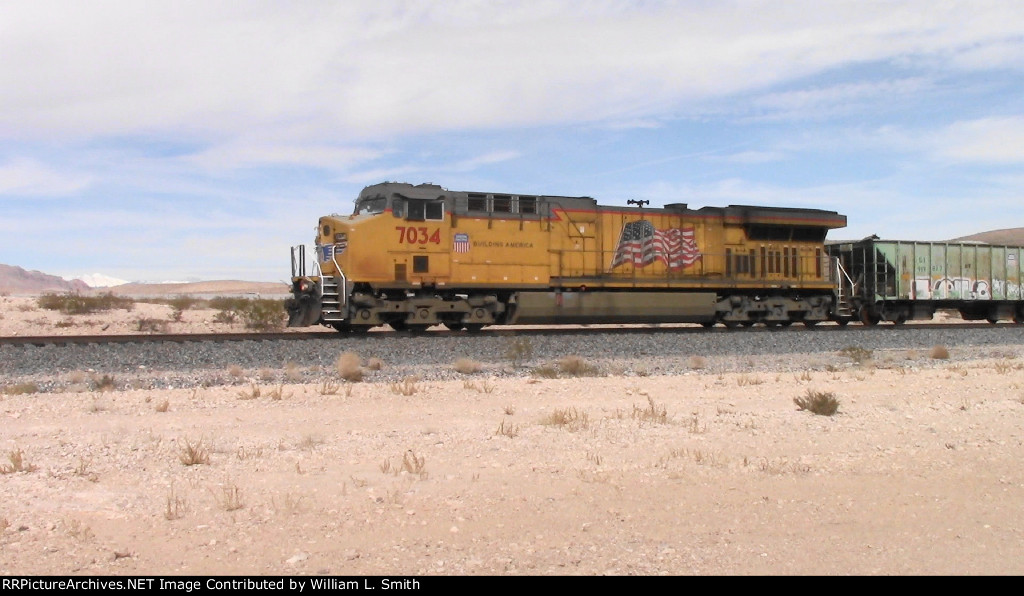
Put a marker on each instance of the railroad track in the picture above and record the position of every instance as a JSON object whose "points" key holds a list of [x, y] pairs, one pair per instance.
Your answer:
{"points": [[66, 340]]}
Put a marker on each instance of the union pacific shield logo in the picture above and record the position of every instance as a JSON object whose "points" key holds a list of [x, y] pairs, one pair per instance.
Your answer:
{"points": [[461, 243]]}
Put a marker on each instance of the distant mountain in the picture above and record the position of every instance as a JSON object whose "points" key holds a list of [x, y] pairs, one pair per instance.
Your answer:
{"points": [[1009, 236], [17, 280]]}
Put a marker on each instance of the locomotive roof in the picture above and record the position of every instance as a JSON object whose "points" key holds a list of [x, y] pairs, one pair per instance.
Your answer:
{"points": [[748, 214]]}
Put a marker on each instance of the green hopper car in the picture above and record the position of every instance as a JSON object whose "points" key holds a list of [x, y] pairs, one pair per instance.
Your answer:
{"points": [[891, 280]]}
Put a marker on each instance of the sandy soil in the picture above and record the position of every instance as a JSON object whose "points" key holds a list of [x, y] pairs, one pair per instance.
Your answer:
{"points": [[917, 473]]}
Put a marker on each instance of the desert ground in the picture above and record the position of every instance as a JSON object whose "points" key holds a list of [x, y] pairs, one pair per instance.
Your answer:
{"points": [[704, 473]]}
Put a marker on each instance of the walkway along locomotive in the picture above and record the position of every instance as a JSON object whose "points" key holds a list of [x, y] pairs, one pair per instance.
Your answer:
{"points": [[415, 256]]}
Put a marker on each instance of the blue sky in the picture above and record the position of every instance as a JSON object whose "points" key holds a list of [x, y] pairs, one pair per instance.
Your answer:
{"points": [[180, 140]]}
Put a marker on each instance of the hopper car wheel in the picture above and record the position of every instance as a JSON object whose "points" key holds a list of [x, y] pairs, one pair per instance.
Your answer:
{"points": [[454, 326], [398, 325], [842, 322], [1018, 317], [708, 324], [747, 323], [730, 324], [417, 328], [992, 320], [788, 323], [474, 327], [868, 318], [810, 324]]}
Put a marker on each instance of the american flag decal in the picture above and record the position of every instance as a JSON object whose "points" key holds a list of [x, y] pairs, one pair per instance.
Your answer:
{"points": [[461, 243], [641, 244]]}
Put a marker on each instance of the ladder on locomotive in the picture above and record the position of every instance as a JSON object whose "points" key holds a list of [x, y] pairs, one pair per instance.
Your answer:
{"points": [[332, 302], [331, 307]]}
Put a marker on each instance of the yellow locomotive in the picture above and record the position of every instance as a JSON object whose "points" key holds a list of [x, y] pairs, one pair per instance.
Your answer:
{"points": [[416, 256]]}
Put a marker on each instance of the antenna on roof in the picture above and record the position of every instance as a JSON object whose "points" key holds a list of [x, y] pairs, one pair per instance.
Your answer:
{"points": [[638, 202]]}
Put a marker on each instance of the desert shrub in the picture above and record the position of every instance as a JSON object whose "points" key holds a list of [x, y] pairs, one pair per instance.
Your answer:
{"points": [[467, 366], [856, 353], [518, 350], [374, 364], [939, 353], [823, 403], [179, 304], [576, 366], [349, 367], [152, 326], [545, 371], [264, 314], [76, 304], [104, 383], [20, 389]]}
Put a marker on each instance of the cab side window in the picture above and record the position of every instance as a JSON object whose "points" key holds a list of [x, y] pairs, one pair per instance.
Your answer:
{"points": [[417, 210]]}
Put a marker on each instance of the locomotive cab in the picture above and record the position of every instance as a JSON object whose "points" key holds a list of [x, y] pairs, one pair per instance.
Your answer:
{"points": [[396, 240]]}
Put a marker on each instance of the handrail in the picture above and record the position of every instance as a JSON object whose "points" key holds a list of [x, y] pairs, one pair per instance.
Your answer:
{"points": [[343, 287]]}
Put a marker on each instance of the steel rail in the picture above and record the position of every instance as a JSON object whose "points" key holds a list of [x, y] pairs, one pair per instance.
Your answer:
{"points": [[66, 340]]}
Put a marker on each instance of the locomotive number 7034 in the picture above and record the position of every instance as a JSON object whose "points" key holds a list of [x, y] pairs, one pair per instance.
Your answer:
{"points": [[418, 235]]}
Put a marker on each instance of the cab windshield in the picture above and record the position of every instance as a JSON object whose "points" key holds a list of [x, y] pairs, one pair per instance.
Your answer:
{"points": [[371, 205]]}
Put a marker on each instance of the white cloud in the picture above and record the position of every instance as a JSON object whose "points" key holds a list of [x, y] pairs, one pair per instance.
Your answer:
{"points": [[30, 177], [238, 154], [374, 69], [985, 140]]}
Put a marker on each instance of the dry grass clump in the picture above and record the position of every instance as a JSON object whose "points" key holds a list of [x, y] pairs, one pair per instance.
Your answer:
{"points": [[18, 463], [575, 366], [507, 430], [568, 418], [697, 362], [652, 413], [194, 453], [939, 353], [822, 403], [349, 367], [407, 386], [467, 366], [374, 364]]}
